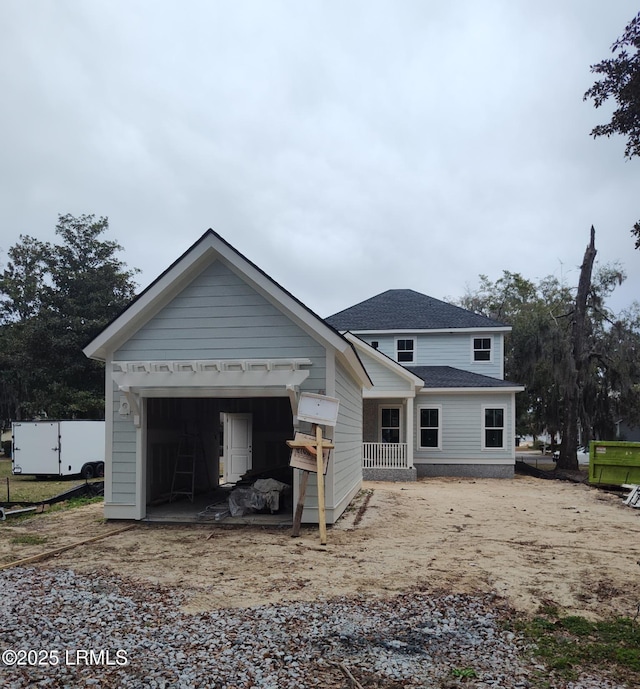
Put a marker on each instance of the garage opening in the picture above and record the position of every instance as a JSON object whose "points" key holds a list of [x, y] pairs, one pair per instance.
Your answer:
{"points": [[199, 450]]}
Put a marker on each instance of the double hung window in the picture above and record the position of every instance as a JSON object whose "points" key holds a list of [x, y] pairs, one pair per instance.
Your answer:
{"points": [[390, 424], [493, 427], [429, 427], [405, 350], [482, 349]]}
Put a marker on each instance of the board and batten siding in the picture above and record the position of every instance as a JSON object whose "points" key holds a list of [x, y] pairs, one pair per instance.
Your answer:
{"points": [[344, 475], [446, 349], [219, 316], [461, 427]]}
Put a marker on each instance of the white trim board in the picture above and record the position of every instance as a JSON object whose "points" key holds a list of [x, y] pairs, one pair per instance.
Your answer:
{"points": [[501, 329]]}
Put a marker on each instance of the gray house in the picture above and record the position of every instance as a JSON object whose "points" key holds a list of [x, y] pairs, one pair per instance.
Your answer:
{"points": [[208, 363], [439, 405]]}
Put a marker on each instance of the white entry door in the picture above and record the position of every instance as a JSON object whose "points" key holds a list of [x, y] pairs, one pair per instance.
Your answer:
{"points": [[237, 446]]}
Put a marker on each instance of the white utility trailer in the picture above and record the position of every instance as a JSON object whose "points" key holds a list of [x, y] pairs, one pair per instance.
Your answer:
{"points": [[58, 448]]}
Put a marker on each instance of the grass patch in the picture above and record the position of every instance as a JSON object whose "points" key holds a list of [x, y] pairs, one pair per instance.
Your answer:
{"points": [[28, 539], [76, 502], [30, 489], [571, 645]]}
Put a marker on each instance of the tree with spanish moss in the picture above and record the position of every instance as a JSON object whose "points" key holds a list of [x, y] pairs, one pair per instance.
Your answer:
{"points": [[575, 384]]}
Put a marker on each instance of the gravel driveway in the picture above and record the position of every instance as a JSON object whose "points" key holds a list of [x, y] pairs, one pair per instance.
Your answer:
{"points": [[62, 629]]}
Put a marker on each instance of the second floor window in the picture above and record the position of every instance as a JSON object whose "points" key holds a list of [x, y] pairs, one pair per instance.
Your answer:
{"points": [[482, 349], [405, 351]]}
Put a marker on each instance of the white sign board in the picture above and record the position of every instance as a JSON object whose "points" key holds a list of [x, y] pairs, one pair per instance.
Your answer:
{"points": [[318, 409]]}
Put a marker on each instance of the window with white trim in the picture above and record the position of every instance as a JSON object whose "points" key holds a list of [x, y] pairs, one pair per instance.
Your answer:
{"points": [[405, 350], [429, 419], [390, 424], [482, 349], [493, 427]]}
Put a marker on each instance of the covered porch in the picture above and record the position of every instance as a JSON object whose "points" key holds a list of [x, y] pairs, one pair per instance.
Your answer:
{"points": [[388, 437]]}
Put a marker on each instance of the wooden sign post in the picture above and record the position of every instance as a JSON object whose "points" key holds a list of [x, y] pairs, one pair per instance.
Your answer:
{"points": [[322, 516], [317, 410], [303, 461], [302, 489]]}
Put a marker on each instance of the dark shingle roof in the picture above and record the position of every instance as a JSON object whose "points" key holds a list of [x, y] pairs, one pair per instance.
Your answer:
{"points": [[404, 309], [449, 377]]}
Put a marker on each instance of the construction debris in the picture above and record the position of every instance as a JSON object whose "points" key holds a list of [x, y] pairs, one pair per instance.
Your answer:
{"points": [[4, 513], [633, 498], [265, 494]]}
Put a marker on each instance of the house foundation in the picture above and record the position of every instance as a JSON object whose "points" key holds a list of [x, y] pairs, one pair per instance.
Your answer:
{"points": [[390, 474], [466, 470]]}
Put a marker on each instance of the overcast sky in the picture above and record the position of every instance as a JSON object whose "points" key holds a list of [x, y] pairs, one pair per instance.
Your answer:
{"points": [[346, 147]]}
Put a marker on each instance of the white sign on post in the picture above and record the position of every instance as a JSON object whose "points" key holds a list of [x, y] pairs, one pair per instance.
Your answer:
{"points": [[318, 409]]}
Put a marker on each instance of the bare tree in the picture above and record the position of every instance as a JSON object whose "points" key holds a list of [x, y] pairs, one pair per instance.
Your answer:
{"points": [[575, 370]]}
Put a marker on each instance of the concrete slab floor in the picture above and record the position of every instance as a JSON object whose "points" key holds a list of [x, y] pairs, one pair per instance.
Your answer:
{"points": [[211, 508]]}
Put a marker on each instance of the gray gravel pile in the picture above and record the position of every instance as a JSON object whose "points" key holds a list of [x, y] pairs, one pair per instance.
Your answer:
{"points": [[109, 632]]}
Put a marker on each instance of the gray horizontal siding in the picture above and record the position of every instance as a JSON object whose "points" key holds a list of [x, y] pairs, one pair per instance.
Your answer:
{"points": [[212, 340], [461, 428], [230, 312], [345, 471], [455, 349], [219, 316], [234, 325], [123, 457], [446, 349], [386, 343], [348, 436], [216, 316], [382, 377]]}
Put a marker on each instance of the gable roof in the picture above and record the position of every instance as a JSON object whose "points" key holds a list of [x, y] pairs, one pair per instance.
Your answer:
{"points": [[407, 310], [441, 377], [211, 247]]}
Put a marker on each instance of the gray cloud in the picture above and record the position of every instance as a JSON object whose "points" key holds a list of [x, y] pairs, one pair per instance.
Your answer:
{"points": [[346, 148]]}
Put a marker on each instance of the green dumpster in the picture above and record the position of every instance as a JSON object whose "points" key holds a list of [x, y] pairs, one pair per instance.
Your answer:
{"points": [[613, 462]]}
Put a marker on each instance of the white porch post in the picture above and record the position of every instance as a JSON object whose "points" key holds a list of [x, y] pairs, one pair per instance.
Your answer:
{"points": [[409, 438]]}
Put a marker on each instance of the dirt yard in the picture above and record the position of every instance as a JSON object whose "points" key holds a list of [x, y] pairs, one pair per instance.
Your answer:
{"points": [[532, 541]]}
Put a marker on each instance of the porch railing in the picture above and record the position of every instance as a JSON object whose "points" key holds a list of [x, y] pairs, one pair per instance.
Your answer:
{"points": [[384, 455]]}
